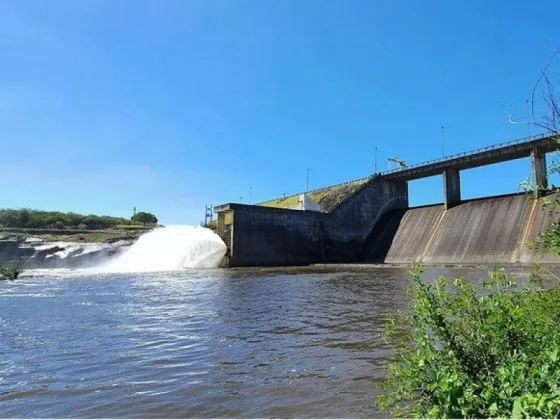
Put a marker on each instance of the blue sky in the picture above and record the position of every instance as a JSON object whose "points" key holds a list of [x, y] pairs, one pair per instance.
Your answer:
{"points": [[171, 105]]}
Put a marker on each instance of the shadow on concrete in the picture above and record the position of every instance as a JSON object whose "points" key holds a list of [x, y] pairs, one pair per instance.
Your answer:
{"points": [[381, 237]]}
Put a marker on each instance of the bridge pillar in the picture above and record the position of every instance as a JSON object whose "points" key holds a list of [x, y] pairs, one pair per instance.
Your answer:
{"points": [[538, 164], [451, 187]]}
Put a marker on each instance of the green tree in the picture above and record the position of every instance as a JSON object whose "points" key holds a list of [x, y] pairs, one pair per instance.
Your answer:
{"points": [[145, 218], [39, 219]]}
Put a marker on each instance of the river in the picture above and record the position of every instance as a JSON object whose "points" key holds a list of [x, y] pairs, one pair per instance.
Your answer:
{"points": [[297, 342]]}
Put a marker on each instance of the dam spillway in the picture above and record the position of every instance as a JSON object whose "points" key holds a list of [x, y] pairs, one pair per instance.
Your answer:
{"points": [[495, 230], [371, 221]]}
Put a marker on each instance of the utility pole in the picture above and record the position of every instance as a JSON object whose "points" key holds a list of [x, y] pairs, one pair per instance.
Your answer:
{"points": [[250, 195], [442, 143], [240, 200], [376, 160], [307, 182]]}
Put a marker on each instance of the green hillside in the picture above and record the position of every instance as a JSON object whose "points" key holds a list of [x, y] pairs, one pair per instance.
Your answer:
{"points": [[328, 198]]}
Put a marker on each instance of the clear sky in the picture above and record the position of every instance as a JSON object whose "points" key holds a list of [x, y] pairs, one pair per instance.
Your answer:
{"points": [[171, 105]]}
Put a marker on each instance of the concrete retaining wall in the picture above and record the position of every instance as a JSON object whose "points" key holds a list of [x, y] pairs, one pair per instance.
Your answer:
{"points": [[270, 236]]}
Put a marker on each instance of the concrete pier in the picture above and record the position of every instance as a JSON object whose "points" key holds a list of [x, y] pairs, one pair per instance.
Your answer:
{"points": [[451, 187], [538, 166]]}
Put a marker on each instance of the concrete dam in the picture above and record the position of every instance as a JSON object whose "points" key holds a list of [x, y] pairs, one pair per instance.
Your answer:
{"points": [[372, 221]]}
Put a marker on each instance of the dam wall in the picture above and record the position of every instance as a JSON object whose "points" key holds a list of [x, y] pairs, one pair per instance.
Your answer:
{"points": [[351, 223], [369, 219], [272, 236], [493, 230]]}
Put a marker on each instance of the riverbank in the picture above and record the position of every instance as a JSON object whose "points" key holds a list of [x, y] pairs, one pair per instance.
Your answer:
{"points": [[63, 248], [73, 235]]}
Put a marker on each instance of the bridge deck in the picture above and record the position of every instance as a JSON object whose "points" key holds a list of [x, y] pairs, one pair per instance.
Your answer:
{"points": [[486, 156]]}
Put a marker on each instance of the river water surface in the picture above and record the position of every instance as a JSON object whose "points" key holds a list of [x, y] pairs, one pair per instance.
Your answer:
{"points": [[207, 343]]}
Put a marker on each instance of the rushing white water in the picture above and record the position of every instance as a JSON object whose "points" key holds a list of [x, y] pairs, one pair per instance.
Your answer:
{"points": [[168, 248]]}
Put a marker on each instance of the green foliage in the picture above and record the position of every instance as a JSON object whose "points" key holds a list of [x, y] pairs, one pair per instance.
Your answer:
{"points": [[459, 353], [143, 217], [9, 272], [39, 219], [549, 240]]}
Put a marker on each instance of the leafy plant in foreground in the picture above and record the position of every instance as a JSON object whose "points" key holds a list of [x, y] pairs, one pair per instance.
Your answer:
{"points": [[460, 353]]}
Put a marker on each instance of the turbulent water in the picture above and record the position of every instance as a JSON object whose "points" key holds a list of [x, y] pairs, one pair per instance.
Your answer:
{"points": [[198, 343], [166, 248], [170, 248]]}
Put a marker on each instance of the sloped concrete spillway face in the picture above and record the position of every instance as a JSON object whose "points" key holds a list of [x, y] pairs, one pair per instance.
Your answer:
{"points": [[483, 231], [171, 248]]}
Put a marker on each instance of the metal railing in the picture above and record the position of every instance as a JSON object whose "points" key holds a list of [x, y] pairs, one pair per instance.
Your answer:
{"points": [[528, 139]]}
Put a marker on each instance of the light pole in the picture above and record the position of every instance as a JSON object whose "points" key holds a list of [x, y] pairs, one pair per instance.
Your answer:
{"points": [[250, 194], [376, 160], [442, 145], [307, 182], [528, 117]]}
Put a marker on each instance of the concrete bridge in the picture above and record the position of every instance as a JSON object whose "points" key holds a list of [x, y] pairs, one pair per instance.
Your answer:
{"points": [[450, 167], [371, 221]]}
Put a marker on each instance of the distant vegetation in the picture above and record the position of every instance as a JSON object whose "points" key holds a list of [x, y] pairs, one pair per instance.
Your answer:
{"points": [[144, 218], [39, 219]]}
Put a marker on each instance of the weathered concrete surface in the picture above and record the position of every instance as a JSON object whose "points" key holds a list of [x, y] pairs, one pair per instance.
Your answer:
{"points": [[538, 166], [271, 236], [451, 187], [413, 235], [352, 223], [484, 231], [481, 231]]}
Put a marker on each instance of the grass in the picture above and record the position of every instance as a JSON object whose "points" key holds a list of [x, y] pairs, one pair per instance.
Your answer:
{"points": [[327, 198]]}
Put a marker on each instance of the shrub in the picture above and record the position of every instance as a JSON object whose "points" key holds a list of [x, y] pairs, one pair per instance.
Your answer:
{"points": [[460, 353], [9, 272]]}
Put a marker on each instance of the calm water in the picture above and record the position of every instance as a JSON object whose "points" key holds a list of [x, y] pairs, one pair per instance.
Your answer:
{"points": [[214, 343]]}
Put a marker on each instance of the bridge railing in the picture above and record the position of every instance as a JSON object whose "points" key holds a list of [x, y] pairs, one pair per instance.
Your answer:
{"points": [[528, 139]]}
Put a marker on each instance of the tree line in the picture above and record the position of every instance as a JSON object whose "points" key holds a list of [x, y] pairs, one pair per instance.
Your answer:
{"points": [[40, 219]]}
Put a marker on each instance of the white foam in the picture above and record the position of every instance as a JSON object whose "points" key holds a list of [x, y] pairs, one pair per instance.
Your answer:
{"points": [[170, 248]]}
